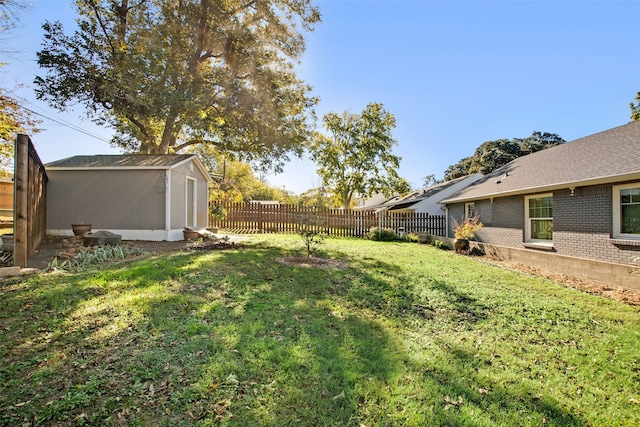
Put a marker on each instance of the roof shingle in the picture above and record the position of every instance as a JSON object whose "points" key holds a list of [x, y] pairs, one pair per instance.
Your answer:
{"points": [[609, 156]]}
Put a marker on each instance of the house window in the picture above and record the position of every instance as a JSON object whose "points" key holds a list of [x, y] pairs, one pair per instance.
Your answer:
{"points": [[626, 211], [469, 210], [539, 219]]}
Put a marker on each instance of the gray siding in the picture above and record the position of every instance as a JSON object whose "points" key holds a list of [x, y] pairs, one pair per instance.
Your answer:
{"points": [[108, 199], [582, 224], [178, 206]]}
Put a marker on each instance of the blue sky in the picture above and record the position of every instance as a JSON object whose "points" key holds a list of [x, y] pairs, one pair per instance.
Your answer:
{"points": [[454, 74]]}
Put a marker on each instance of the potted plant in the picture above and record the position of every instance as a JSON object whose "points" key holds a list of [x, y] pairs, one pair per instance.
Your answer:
{"points": [[80, 228], [464, 231], [190, 234]]}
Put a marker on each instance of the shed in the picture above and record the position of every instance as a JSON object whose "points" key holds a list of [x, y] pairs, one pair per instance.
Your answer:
{"points": [[140, 197]]}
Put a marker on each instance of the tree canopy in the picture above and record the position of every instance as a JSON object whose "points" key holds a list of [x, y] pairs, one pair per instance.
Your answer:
{"points": [[14, 118], [166, 74], [236, 181], [492, 155], [635, 109], [356, 157]]}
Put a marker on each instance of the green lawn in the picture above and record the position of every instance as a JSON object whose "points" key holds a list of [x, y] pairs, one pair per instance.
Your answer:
{"points": [[405, 335]]}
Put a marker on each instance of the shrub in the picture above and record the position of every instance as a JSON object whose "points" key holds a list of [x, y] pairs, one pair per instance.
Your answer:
{"points": [[383, 235], [440, 245], [467, 228], [217, 212], [93, 256]]}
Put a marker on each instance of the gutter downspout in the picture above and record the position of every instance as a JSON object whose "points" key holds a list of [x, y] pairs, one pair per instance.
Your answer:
{"points": [[446, 220]]}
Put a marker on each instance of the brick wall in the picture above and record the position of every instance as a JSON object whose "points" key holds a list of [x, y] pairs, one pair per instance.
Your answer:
{"points": [[582, 224], [504, 221], [610, 273]]}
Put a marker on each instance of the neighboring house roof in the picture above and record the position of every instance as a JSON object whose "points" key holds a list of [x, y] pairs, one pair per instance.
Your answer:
{"points": [[373, 201], [123, 161], [420, 195], [605, 157]]}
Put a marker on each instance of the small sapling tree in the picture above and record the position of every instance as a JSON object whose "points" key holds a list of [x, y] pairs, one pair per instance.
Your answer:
{"points": [[310, 230]]}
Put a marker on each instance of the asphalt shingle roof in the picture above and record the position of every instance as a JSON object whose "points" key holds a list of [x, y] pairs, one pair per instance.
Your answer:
{"points": [[120, 160], [609, 156], [420, 195]]}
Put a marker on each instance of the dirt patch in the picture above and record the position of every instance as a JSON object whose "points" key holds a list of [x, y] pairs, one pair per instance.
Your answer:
{"points": [[64, 248], [308, 262], [213, 245]]}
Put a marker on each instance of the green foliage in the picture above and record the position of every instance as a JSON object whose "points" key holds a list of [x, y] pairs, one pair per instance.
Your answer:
{"points": [[441, 245], [14, 119], [315, 197], [217, 211], [635, 109], [167, 74], [310, 231], [92, 256], [356, 158], [235, 181], [430, 180], [492, 155], [384, 235]]}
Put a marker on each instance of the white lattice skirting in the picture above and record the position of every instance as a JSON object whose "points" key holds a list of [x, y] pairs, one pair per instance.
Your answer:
{"points": [[149, 235]]}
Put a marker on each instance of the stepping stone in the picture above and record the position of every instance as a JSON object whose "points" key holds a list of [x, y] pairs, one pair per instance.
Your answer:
{"points": [[100, 238]]}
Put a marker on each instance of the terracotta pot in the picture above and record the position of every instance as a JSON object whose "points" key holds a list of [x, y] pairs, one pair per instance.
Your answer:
{"points": [[461, 245], [190, 234], [80, 229]]}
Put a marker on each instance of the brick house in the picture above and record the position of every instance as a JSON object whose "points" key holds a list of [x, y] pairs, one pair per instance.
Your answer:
{"points": [[573, 208]]}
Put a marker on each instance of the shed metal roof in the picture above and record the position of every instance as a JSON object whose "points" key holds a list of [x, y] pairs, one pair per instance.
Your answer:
{"points": [[151, 161]]}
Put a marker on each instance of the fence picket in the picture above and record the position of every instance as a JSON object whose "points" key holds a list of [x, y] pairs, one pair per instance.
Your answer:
{"points": [[259, 218]]}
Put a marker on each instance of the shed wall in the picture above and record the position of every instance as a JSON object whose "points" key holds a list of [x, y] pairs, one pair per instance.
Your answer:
{"points": [[178, 206], [108, 199]]}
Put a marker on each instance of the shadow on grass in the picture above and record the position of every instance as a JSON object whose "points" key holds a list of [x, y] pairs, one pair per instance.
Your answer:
{"points": [[234, 337]]}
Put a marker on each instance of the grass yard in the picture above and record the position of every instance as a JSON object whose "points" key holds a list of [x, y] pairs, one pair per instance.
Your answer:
{"points": [[401, 335]]}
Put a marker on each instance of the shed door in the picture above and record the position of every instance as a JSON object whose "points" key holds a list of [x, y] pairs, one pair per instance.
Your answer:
{"points": [[191, 202]]}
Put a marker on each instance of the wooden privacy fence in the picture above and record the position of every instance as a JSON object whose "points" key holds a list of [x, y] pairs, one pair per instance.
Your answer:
{"points": [[278, 218], [30, 201]]}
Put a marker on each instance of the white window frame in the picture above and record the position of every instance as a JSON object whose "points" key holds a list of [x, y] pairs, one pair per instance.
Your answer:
{"points": [[467, 207], [617, 212], [527, 221]]}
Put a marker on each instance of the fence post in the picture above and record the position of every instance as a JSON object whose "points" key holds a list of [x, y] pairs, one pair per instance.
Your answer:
{"points": [[21, 200]]}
